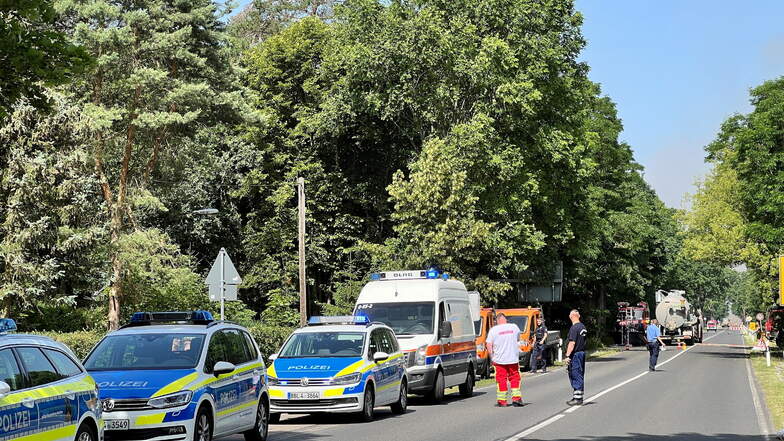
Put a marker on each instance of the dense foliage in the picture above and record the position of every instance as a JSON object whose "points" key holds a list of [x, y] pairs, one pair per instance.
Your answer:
{"points": [[462, 133]]}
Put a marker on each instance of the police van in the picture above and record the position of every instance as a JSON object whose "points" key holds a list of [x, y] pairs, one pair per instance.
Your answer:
{"points": [[169, 376], [432, 319], [45, 393], [338, 364]]}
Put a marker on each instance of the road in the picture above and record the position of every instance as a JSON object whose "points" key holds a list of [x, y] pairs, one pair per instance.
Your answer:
{"points": [[703, 393]]}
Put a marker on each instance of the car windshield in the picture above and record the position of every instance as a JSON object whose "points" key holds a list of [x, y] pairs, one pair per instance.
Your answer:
{"points": [[520, 320], [146, 351], [407, 318], [324, 344]]}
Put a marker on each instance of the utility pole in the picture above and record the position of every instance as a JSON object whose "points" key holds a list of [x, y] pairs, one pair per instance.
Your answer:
{"points": [[303, 298]]}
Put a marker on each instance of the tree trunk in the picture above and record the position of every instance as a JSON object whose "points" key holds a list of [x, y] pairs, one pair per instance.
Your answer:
{"points": [[115, 291]]}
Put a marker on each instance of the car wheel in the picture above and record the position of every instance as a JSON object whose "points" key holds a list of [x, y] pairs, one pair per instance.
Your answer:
{"points": [[203, 426], [467, 388], [260, 430], [436, 395], [86, 433], [369, 404], [780, 339], [402, 401]]}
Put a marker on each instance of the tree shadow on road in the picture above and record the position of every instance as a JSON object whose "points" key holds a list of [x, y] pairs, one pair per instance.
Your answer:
{"points": [[604, 359], [723, 354], [685, 436]]}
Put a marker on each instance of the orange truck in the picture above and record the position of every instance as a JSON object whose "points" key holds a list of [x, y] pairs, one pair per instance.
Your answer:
{"points": [[525, 319], [481, 328]]}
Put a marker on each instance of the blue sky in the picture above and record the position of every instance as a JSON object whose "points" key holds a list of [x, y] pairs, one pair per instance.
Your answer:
{"points": [[676, 70]]}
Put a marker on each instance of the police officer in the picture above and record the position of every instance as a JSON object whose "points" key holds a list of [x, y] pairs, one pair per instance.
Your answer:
{"points": [[537, 356], [653, 335], [575, 358]]}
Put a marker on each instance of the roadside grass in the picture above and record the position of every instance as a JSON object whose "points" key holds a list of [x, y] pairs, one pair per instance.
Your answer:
{"points": [[771, 381]]}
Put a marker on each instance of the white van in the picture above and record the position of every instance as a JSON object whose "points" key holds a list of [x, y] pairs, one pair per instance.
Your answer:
{"points": [[431, 316]]}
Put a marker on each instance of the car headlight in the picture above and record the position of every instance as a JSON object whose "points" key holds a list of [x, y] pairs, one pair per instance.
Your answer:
{"points": [[272, 381], [421, 355], [347, 379], [171, 400]]}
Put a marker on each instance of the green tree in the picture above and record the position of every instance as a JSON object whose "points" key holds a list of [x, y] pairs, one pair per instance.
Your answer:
{"points": [[161, 73], [33, 53]]}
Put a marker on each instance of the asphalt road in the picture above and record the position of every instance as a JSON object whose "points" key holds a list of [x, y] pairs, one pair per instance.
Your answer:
{"points": [[700, 394]]}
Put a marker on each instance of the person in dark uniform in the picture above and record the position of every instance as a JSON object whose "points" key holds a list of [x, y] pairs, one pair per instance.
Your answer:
{"points": [[537, 355], [575, 358]]}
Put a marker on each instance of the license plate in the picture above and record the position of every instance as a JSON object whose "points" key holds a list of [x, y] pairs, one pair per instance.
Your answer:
{"points": [[116, 424], [304, 396]]}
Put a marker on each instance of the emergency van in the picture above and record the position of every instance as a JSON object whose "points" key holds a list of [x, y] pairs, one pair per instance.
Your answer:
{"points": [[171, 376], [339, 364], [431, 316], [45, 393]]}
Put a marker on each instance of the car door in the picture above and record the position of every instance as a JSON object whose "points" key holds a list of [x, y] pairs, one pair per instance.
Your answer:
{"points": [[248, 377], [224, 391], [378, 369], [22, 417], [395, 366], [54, 409]]}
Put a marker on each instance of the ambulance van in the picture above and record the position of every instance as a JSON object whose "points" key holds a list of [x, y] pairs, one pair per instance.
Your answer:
{"points": [[432, 319]]}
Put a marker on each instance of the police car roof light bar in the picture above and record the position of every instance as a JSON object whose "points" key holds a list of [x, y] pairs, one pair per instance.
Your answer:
{"points": [[338, 320], [7, 325], [174, 317]]}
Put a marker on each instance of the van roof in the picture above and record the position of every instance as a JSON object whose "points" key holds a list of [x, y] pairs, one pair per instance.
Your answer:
{"points": [[416, 290]]}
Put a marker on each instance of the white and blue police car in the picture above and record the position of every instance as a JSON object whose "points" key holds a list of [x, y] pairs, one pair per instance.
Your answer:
{"points": [[169, 376], [45, 393], [338, 364]]}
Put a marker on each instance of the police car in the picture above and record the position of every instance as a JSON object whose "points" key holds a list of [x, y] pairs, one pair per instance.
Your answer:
{"points": [[45, 393], [180, 376], [338, 364]]}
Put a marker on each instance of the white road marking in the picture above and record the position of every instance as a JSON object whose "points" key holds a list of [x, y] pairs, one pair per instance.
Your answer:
{"points": [[557, 417]]}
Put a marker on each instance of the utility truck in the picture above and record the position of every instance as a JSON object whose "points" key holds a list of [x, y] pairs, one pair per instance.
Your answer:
{"points": [[680, 321]]}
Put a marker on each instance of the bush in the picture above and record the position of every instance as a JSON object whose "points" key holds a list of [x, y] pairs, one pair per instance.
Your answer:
{"points": [[80, 342], [269, 337]]}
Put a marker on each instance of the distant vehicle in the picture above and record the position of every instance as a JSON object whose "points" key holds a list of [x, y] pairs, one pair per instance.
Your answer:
{"points": [[630, 324], [712, 325], [431, 316], [45, 393], [481, 328], [180, 376], [774, 325], [525, 319], [679, 321], [339, 365]]}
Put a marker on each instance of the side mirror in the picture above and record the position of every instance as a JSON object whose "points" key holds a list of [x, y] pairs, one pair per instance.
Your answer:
{"points": [[379, 356], [223, 367], [445, 330], [273, 357], [5, 389]]}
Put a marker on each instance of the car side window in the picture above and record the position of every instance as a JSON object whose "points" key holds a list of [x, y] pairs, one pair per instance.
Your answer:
{"points": [[39, 369], [236, 351], [390, 344], [250, 347], [65, 366], [9, 370], [216, 351], [376, 342]]}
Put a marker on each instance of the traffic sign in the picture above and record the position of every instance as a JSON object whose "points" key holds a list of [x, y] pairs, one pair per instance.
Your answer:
{"points": [[230, 274], [229, 292]]}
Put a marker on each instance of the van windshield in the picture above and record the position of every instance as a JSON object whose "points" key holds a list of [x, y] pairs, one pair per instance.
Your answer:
{"points": [[520, 320], [409, 318]]}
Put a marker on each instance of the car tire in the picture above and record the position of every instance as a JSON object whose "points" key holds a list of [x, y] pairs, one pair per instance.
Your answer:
{"points": [[780, 339], [86, 433], [274, 418], [202, 429], [399, 407], [261, 429], [368, 405], [436, 395], [467, 388]]}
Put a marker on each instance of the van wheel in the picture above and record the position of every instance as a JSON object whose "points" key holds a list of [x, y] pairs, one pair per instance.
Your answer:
{"points": [[369, 401], [400, 406], [467, 388], [436, 395], [261, 429], [86, 433], [780, 339]]}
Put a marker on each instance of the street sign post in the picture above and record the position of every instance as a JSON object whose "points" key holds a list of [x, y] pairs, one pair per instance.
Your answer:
{"points": [[223, 280]]}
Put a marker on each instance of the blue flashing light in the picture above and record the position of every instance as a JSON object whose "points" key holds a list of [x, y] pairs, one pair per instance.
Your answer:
{"points": [[339, 320], [7, 325], [432, 274], [375, 276], [201, 315], [141, 317]]}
